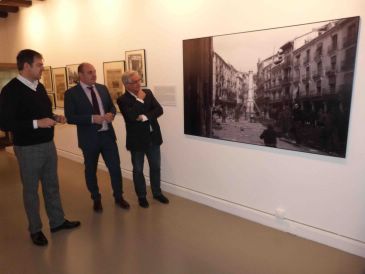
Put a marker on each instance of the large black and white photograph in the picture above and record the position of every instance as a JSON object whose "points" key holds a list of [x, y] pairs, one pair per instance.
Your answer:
{"points": [[286, 87]]}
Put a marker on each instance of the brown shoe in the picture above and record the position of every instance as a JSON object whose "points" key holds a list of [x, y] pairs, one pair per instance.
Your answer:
{"points": [[98, 207], [122, 203]]}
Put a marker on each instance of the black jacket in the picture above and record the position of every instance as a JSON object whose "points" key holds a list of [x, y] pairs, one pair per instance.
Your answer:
{"points": [[139, 134]]}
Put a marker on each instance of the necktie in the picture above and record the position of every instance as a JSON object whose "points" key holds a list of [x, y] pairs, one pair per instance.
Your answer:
{"points": [[96, 109]]}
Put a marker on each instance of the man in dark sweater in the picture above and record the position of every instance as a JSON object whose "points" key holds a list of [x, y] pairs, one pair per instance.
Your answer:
{"points": [[26, 111]]}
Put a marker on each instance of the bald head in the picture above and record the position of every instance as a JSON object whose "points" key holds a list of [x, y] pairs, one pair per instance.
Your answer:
{"points": [[87, 73]]}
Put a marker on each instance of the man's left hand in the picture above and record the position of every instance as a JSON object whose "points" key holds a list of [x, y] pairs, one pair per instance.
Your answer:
{"points": [[109, 117], [60, 119]]}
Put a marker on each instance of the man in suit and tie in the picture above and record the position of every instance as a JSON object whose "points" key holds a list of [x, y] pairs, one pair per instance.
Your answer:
{"points": [[89, 106], [140, 110]]}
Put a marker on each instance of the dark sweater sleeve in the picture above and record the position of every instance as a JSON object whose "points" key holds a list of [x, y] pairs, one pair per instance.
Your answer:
{"points": [[10, 103]]}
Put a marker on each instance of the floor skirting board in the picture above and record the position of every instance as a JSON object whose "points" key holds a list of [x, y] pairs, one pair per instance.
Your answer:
{"points": [[290, 226]]}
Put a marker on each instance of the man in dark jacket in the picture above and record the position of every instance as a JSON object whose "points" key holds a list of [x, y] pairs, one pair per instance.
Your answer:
{"points": [[88, 105], [140, 110]]}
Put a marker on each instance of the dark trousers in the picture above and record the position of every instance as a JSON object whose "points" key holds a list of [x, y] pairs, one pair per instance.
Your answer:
{"points": [[107, 147], [154, 160], [39, 163]]}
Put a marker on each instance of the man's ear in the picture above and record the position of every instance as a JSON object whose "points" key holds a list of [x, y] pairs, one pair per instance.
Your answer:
{"points": [[26, 66]]}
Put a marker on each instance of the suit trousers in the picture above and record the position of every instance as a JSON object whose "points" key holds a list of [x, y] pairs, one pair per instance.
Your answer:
{"points": [[107, 147], [39, 163], [154, 160]]}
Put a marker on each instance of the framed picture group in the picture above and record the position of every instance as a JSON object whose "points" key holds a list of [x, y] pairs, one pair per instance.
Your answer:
{"points": [[113, 71], [57, 80], [46, 80]]}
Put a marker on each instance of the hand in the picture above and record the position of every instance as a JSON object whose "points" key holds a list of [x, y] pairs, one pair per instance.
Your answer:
{"points": [[141, 94], [60, 119], [46, 123], [98, 119], [109, 117]]}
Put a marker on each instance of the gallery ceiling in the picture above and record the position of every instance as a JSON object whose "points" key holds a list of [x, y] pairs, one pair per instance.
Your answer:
{"points": [[13, 6]]}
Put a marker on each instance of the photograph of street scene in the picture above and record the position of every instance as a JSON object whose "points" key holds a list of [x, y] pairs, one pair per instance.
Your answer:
{"points": [[287, 87]]}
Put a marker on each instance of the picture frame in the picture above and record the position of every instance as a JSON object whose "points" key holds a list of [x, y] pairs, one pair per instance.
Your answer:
{"points": [[136, 60], [59, 85], [72, 75], [113, 72], [52, 98], [285, 87], [46, 79]]}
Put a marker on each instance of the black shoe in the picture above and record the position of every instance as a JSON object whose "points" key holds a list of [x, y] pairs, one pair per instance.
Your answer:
{"points": [[143, 202], [98, 207], [38, 238], [122, 203], [161, 199], [66, 225]]}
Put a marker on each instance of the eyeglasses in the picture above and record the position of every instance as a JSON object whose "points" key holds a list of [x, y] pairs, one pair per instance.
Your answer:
{"points": [[135, 82]]}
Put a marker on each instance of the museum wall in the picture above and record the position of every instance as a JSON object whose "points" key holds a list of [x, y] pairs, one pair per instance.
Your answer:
{"points": [[322, 198]]}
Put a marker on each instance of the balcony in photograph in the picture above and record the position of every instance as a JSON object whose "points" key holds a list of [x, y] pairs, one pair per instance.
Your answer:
{"points": [[296, 79], [296, 64], [330, 71], [316, 75], [305, 78], [306, 60], [348, 64], [349, 41], [286, 80], [332, 49], [317, 57]]}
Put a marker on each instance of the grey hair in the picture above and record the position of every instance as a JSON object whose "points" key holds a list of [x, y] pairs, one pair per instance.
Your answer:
{"points": [[126, 76]]}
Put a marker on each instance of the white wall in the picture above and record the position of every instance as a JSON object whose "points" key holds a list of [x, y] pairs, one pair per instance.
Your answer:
{"points": [[324, 197]]}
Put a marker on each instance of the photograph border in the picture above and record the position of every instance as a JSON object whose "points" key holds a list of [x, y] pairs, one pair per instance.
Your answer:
{"points": [[49, 89], [294, 92], [141, 52], [116, 65], [59, 103], [75, 77], [52, 97]]}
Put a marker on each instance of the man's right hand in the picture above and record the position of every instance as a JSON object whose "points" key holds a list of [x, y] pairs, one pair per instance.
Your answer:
{"points": [[98, 119], [141, 94], [46, 123]]}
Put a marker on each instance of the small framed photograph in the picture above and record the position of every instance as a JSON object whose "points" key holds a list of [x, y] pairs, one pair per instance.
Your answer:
{"points": [[52, 97], [136, 60], [60, 85], [113, 79], [46, 79], [72, 75]]}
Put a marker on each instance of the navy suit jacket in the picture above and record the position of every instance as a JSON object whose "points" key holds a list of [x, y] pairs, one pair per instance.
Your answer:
{"points": [[78, 111], [139, 134]]}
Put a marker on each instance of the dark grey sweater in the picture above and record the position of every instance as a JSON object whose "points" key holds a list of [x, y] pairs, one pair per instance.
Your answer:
{"points": [[19, 106]]}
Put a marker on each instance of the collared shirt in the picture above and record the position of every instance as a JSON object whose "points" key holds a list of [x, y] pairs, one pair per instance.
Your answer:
{"points": [[33, 86], [101, 107]]}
